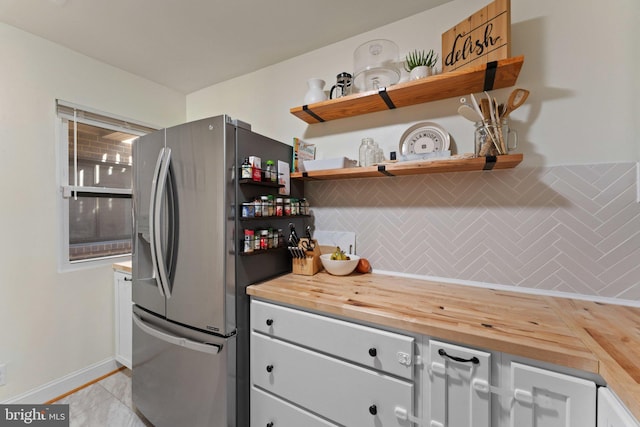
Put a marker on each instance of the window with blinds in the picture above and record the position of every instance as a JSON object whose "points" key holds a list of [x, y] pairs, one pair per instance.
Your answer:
{"points": [[97, 180]]}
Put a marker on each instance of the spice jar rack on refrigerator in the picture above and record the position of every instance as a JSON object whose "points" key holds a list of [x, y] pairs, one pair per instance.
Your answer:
{"points": [[264, 218]]}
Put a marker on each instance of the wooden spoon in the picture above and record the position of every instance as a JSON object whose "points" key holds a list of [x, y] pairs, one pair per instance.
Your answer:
{"points": [[469, 113], [516, 99]]}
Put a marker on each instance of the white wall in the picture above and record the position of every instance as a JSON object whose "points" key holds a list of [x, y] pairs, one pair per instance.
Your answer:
{"points": [[581, 66], [566, 220], [52, 323]]}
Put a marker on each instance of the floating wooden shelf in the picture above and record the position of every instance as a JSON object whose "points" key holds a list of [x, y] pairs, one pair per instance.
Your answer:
{"points": [[493, 75], [414, 168]]}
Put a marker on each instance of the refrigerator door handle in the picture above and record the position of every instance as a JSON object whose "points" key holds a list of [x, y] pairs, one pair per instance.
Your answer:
{"points": [[203, 347], [160, 183], [152, 225]]}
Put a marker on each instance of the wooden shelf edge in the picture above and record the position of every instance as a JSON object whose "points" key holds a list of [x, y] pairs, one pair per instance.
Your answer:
{"points": [[494, 75], [414, 168]]}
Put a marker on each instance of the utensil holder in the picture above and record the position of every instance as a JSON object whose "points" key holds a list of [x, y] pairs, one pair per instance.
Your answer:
{"points": [[310, 264], [494, 138]]}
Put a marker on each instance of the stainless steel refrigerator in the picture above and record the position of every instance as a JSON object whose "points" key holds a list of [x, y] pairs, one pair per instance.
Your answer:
{"points": [[190, 313]]}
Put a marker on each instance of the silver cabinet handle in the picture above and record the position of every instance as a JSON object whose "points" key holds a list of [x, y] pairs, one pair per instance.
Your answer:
{"points": [[210, 348]]}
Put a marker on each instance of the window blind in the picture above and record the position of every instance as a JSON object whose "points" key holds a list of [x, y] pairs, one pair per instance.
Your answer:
{"points": [[97, 118]]}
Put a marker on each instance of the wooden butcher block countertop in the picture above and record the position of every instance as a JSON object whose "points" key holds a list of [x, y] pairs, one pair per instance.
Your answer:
{"points": [[123, 266], [600, 338]]}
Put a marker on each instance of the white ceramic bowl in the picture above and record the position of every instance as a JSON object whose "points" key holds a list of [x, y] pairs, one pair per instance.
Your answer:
{"points": [[337, 267]]}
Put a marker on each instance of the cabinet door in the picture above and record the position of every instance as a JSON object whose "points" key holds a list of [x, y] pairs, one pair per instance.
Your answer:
{"points": [[123, 317], [454, 375], [611, 412], [543, 398]]}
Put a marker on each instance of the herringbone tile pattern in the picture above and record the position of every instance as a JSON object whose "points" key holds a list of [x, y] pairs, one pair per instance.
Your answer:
{"points": [[566, 228]]}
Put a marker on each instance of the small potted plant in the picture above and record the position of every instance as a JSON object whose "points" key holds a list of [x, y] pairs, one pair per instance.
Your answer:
{"points": [[420, 64]]}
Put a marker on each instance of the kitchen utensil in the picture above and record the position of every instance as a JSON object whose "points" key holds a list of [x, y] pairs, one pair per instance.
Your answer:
{"points": [[293, 236], [308, 243], [375, 65], [498, 119], [485, 107], [516, 99], [468, 113], [492, 115], [477, 108], [342, 86]]}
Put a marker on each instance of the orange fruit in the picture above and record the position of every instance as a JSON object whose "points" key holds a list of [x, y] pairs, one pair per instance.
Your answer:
{"points": [[363, 266]]}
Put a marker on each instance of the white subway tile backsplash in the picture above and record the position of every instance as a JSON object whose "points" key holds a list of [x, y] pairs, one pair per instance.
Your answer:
{"points": [[563, 228]]}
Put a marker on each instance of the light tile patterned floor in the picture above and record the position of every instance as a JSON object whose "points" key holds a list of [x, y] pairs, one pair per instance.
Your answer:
{"points": [[106, 403]]}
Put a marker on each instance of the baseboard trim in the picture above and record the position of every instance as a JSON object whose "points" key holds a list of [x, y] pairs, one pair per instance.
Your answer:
{"points": [[61, 386]]}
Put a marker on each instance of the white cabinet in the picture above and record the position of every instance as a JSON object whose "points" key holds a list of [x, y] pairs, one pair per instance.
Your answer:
{"points": [[468, 387], [458, 378], [318, 371], [611, 412], [123, 317], [315, 368], [544, 398]]}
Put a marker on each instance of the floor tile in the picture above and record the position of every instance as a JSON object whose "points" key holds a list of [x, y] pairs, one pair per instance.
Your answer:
{"points": [[106, 403]]}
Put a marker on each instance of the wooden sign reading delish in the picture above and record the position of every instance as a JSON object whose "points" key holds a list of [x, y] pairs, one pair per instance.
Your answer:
{"points": [[483, 37]]}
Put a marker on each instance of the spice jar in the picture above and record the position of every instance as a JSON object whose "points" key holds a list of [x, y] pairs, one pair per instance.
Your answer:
{"points": [[257, 207], [279, 206], [256, 240], [264, 205], [304, 207], [246, 169], [270, 173], [248, 240], [270, 239], [287, 206], [264, 239], [271, 205], [248, 210]]}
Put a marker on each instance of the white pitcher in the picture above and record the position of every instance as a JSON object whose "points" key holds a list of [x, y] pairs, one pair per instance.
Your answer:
{"points": [[315, 93]]}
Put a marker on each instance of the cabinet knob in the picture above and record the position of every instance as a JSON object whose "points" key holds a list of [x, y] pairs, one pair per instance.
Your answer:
{"points": [[373, 409], [269, 368], [270, 424], [373, 352], [269, 322]]}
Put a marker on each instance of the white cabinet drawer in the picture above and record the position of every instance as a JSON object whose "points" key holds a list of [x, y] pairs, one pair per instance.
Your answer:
{"points": [[386, 351], [347, 394], [269, 411]]}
